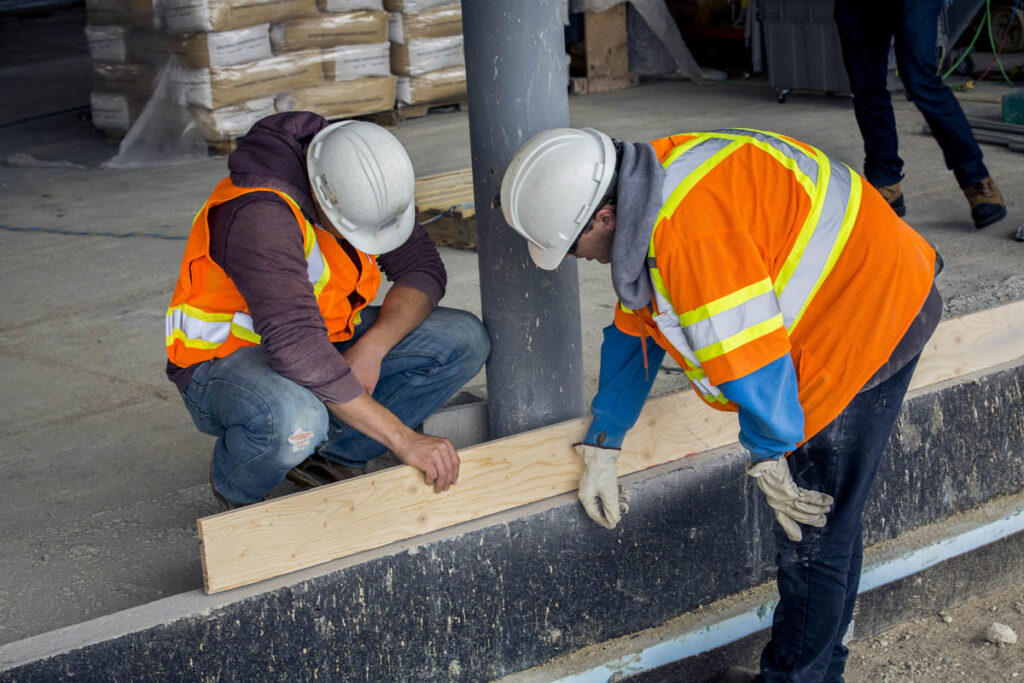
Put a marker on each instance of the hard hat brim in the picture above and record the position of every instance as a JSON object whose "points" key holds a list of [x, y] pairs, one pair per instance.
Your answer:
{"points": [[383, 241], [546, 259]]}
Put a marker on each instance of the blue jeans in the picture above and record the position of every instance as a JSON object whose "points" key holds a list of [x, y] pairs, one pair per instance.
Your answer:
{"points": [[266, 424], [818, 577], [866, 28]]}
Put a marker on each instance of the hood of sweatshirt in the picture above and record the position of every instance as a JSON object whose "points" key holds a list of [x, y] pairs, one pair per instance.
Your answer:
{"points": [[638, 201], [273, 154]]}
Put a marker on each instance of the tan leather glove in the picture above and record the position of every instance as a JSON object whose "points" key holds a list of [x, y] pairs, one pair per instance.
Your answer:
{"points": [[599, 490], [791, 503]]}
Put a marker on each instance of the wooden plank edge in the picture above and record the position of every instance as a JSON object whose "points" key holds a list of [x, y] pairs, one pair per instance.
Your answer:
{"points": [[954, 338]]}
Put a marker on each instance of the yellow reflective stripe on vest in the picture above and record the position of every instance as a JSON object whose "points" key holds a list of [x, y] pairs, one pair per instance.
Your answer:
{"points": [[317, 269], [684, 171], [834, 191], [728, 323], [202, 330], [668, 322], [819, 245]]}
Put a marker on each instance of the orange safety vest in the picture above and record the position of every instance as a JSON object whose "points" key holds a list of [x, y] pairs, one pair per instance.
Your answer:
{"points": [[208, 317], [766, 246]]}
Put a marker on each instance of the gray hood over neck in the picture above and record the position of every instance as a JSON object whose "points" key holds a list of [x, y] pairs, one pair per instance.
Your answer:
{"points": [[638, 200]]}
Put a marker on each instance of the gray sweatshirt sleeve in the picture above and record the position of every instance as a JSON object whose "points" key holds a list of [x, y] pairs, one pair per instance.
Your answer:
{"points": [[256, 240]]}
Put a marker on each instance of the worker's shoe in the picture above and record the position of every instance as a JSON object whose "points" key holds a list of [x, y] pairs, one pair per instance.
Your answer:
{"points": [[987, 206], [894, 195], [738, 674], [226, 504], [317, 470]]}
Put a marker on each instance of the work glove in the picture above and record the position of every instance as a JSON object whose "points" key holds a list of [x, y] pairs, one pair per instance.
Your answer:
{"points": [[791, 503], [602, 498]]}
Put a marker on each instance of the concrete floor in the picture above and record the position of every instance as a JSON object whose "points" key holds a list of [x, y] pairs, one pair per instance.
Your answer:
{"points": [[104, 472]]}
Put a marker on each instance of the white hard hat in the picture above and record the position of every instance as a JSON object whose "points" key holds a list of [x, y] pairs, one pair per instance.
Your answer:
{"points": [[553, 186], [363, 180]]}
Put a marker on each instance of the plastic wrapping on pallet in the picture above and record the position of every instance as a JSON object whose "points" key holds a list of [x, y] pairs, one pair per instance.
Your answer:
{"points": [[328, 30], [113, 112], [350, 5], [107, 44], [441, 85], [410, 6], [418, 57], [342, 100], [349, 62], [228, 123], [215, 48], [191, 16], [214, 88], [131, 80], [437, 22]]}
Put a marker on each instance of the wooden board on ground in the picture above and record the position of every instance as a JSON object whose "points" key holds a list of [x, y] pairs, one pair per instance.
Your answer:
{"points": [[305, 529], [444, 205], [403, 112]]}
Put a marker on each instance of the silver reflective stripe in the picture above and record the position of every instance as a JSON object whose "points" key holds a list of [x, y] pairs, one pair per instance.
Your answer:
{"points": [[243, 320], [817, 252], [194, 328], [687, 163], [723, 325], [315, 263], [668, 323], [804, 161]]}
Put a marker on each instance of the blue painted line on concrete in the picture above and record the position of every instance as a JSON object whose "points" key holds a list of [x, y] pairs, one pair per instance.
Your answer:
{"points": [[760, 617]]}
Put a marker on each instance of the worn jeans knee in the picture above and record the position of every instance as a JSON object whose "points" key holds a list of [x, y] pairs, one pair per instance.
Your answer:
{"points": [[265, 424]]}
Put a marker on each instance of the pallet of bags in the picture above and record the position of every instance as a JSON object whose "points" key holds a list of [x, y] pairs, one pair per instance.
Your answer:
{"points": [[328, 29], [351, 98], [221, 128], [203, 16], [426, 54], [216, 87]]}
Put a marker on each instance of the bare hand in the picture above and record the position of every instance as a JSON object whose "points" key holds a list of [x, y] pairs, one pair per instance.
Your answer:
{"points": [[365, 361], [435, 457]]}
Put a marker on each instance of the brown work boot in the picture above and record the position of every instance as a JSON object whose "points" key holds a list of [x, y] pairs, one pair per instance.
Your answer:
{"points": [[317, 470], [987, 206], [894, 195]]}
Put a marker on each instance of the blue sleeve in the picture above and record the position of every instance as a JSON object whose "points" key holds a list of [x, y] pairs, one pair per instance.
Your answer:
{"points": [[622, 386], [771, 417]]}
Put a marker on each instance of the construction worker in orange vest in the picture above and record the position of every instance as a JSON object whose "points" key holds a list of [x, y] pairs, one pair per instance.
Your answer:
{"points": [[786, 289], [270, 334]]}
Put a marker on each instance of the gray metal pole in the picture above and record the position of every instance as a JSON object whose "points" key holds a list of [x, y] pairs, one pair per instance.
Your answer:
{"points": [[515, 68]]}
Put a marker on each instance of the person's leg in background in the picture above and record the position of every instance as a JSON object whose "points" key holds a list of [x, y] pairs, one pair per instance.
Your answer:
{"points": [[417, 376], [265, 424], [865, 33], [818, 576], [918, 67]]}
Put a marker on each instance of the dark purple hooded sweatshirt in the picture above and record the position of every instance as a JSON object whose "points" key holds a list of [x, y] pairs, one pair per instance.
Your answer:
{"points": [[255, 239]]}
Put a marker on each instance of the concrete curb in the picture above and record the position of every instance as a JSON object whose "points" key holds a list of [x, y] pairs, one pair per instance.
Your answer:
{"points": [[516, 590]]}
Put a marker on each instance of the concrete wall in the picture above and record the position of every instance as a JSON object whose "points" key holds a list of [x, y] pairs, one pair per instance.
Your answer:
{"points": [[487, 599]]}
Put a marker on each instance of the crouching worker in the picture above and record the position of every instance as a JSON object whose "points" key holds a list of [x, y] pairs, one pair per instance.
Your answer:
{"points": [[787, 290], [269, 335]]}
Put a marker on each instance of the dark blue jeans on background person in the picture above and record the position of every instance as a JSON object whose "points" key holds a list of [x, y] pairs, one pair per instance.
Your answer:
{"points": [[866, 28], [266, 424], [818, 577]]}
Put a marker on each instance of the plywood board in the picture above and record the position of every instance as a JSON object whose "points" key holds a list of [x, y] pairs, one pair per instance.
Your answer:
{"points": [[305, 529]]}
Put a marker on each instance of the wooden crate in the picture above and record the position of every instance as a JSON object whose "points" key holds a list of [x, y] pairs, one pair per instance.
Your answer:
{"points": [[444, 205], [605, 53]]}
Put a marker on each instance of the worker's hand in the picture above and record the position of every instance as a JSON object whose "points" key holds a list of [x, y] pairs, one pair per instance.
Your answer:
{"points": [[365, 361], [791, 503], [434, 456], [599, 491]]}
